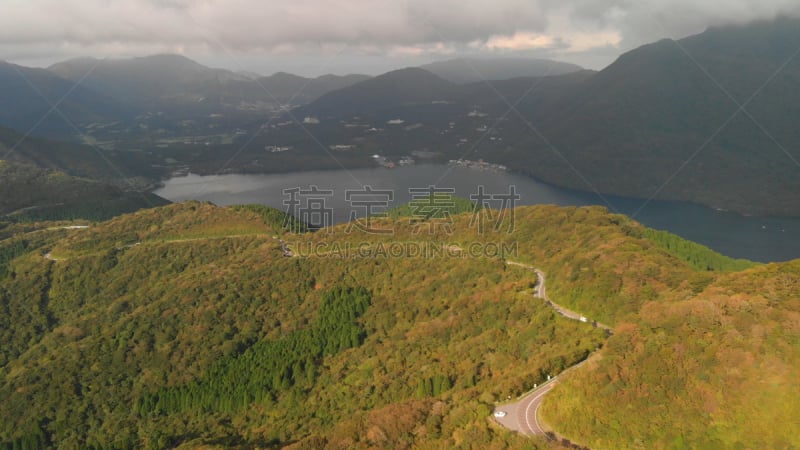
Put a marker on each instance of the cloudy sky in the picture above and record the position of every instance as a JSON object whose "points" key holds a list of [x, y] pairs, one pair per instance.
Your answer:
{"points": [[312, 37]]}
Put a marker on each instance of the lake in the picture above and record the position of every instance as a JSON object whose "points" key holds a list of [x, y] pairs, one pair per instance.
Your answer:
{"points": [[764, 239]]}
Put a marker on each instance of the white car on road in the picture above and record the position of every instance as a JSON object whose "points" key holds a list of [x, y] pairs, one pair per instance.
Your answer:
{"points": [[499, 414]]}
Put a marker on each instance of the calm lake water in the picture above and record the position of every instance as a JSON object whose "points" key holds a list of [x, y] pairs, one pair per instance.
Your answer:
{"points": [[756, 238]]}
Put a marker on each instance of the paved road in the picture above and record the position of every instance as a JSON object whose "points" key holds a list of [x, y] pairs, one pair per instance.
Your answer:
{"points": [[523, 416], [540, 291], [528, 416], [284, 247]]}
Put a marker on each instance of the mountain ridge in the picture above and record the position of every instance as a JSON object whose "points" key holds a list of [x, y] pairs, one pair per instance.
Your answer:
{"points": [[29, 94], [176, 83], [471, 70], [403, 86]]}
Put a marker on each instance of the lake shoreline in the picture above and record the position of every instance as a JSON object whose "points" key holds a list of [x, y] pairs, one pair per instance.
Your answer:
{"points": [[160, 184], [762, 239]]}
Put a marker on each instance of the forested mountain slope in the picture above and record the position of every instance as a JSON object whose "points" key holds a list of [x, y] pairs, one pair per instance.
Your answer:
{"points": [[188, 326], [30, 193], [717, 370]]}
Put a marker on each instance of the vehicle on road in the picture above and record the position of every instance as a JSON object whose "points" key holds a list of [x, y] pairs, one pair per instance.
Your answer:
{"points": [[499, 414]]}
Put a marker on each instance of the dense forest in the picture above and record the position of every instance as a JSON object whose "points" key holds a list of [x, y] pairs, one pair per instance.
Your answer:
{"points": [[718, 370], [698, 256], [188, 326], [435, 205], [268, 367]]}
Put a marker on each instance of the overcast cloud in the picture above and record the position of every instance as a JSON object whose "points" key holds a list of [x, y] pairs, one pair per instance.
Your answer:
{"points": [[315, 36]]}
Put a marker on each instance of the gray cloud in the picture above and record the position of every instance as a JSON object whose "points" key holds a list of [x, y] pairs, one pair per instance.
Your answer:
{"points": [[642, 21], [584, 31], [245, 24]]}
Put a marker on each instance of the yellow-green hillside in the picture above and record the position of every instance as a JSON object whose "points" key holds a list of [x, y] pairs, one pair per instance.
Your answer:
{"points": [[188, 326]]}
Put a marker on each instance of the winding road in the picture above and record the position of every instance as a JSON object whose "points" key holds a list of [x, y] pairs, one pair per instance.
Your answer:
{"points": [[523, 415], [540, 291]]}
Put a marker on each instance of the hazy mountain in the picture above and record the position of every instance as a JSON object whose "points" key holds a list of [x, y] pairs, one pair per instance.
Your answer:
{"points": [[471, 70], [126, 169], [178, 85], [416, 94], [297, 90], [663, 120], [405, 87], [153, 83], [27, 96], [667, 113]]}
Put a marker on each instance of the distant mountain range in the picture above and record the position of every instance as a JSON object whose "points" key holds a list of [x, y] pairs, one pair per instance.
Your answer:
{"points": [[27, 97], [473, 70], [407, 92], [176, 84], [297, 90], [708, 119], [663, 121], [93, 91], [397, 89]]}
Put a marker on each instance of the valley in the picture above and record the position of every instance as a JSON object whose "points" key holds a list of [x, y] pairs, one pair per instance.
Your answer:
{"points": [[719, 143]]}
